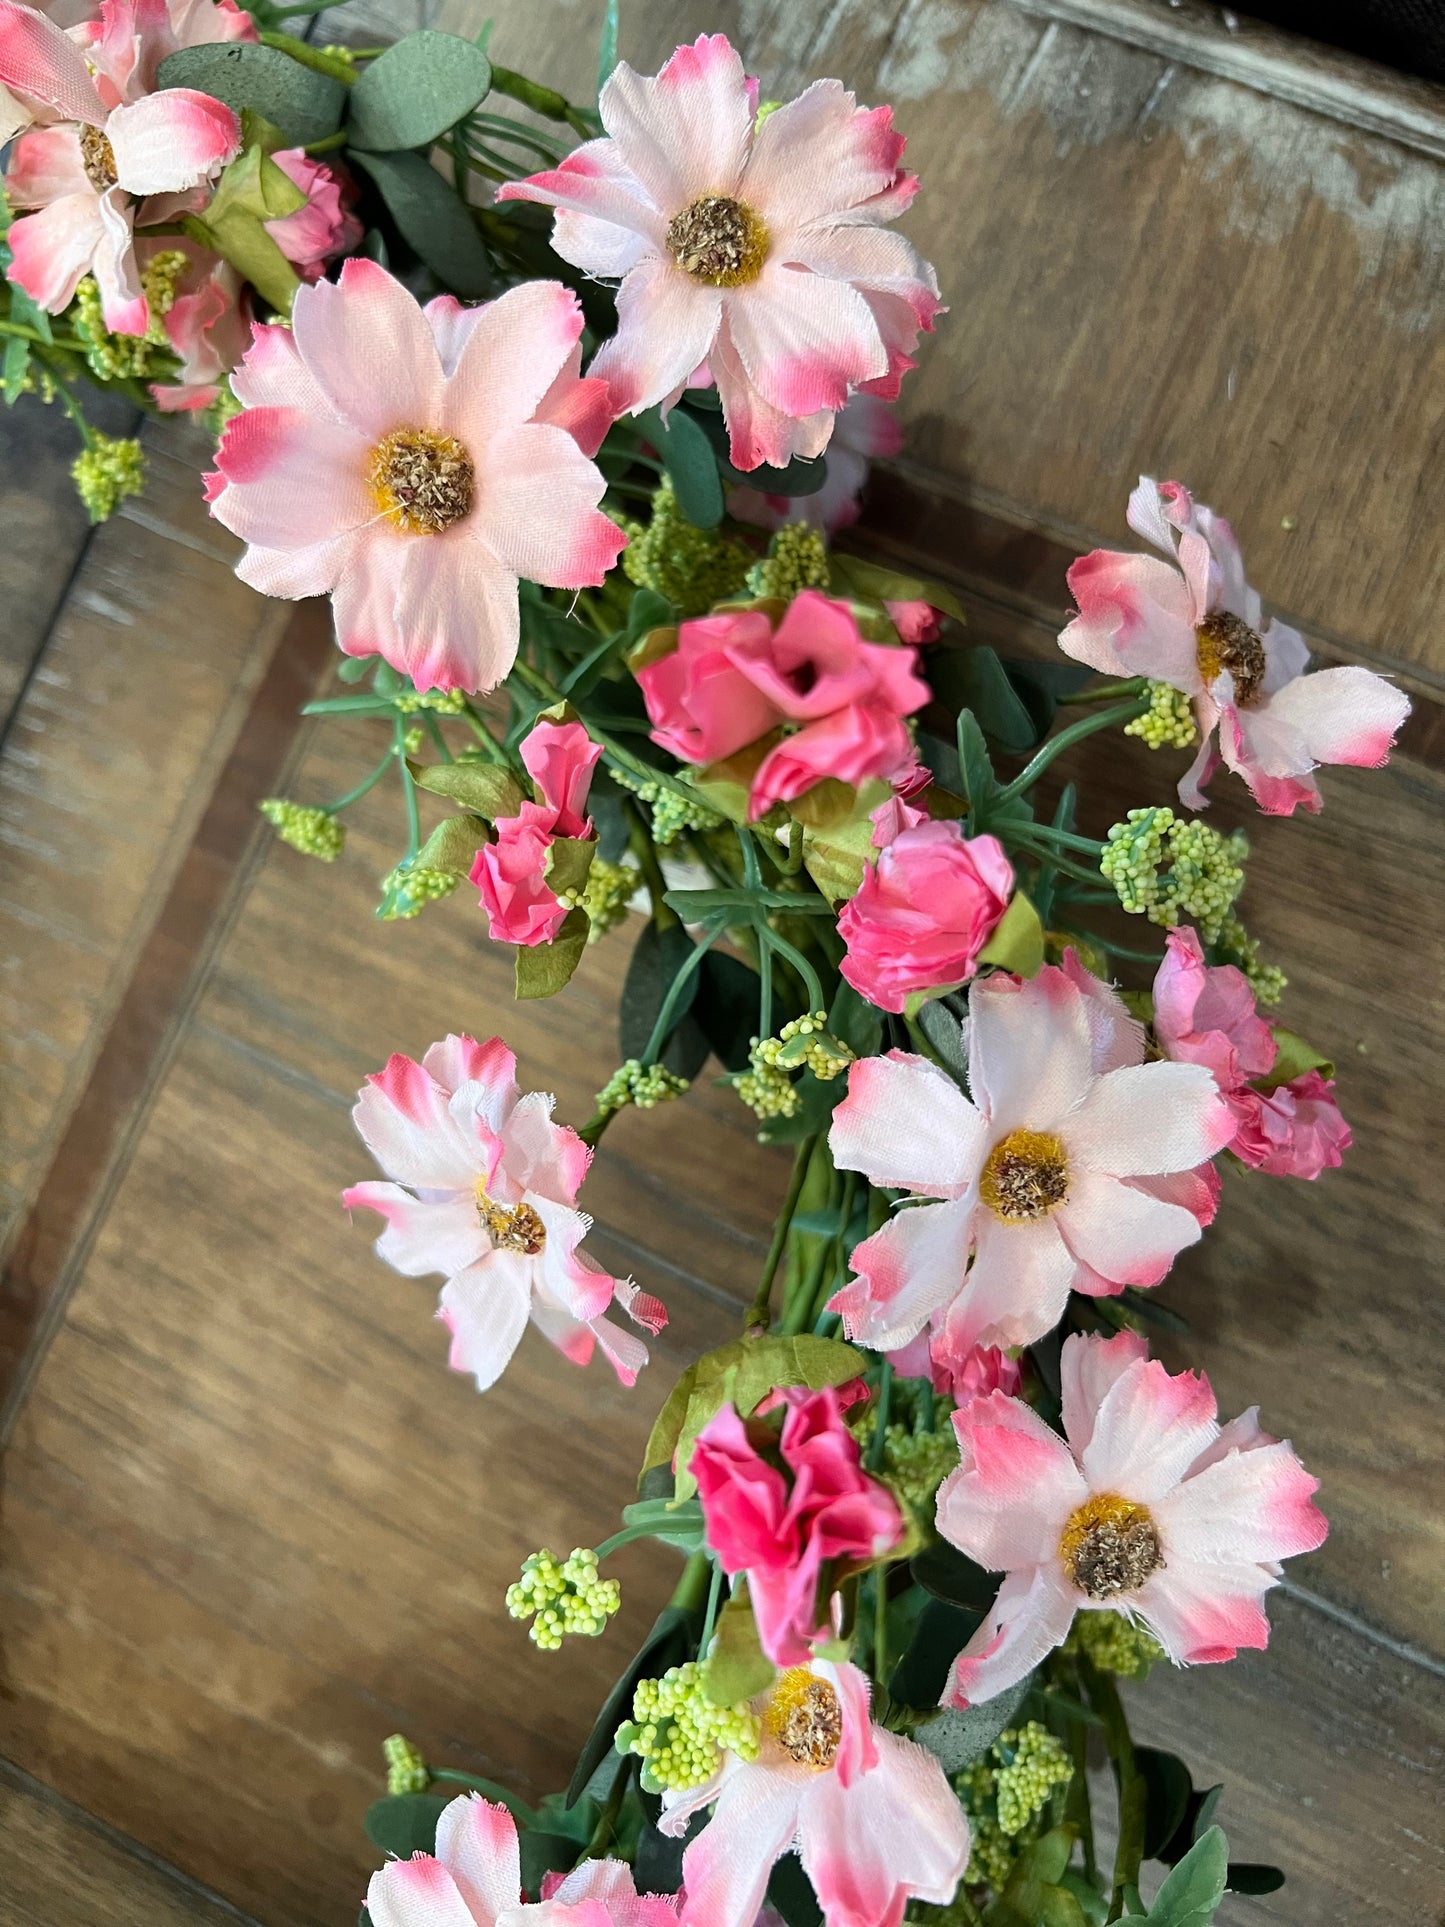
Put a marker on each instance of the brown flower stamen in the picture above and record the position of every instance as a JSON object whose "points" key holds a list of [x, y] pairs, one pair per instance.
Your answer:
{"points": [[512, 1228], [97, 157], [718, 241], [805, 1717], [1026, 1176], [1109, 1546], [1225, 641], [423, 481]]}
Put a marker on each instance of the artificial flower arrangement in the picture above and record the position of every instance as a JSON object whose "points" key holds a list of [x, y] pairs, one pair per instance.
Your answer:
{"points": [[937, 1500]]}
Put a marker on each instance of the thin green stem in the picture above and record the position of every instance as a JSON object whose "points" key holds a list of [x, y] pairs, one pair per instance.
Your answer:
{"points": [[812, 988], [879, 1439], [1056, 745], [366, 783], [765, 987], [640, 841], [880, 1625], [759, 1315], [709, 1620], [662, 1029], [1105, 692], [408, 790], [1133, 1789], [1066, 839], [434, 730]]}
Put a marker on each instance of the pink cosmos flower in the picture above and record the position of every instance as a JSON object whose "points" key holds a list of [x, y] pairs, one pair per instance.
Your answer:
{"points": [[924, 910], [1195, 623], [795, 1530], [116, 141], [475, 1880], [1147, 1507], [1205, 1014], [1050, 1177], [870, 1814], [733, 678], [417, 500], [866, 428], [325, 227], [520, 905], [756, 248], [485, 1192]]}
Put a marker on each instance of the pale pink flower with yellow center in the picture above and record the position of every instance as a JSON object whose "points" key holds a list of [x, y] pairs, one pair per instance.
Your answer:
{"points": [[757, 248], [867, 428], [413, 463], [871, 1815], [474, 1879], [1195, 623], [1072, 1168], [115, 141], [1146, 1507], [484, 1192]]}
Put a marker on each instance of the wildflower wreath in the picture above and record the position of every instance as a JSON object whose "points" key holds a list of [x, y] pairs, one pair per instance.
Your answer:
{"points": [[566, 448]]}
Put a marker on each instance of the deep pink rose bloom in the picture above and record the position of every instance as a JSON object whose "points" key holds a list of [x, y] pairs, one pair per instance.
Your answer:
{"points": [[520, 906], [924, 911], [783, 1528], [1205, 1014], [733, 677], [915, 621], [325, 227]]}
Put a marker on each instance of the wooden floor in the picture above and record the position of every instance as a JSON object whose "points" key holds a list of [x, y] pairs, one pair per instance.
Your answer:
{"points": [[250, 1524]]}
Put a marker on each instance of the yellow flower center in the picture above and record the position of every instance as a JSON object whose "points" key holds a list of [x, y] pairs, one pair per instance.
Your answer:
{"points": [[1109, 1546], [512, 1228], [97, 157], [1026, 1176], [423, 481], [1225, 641], [718, 241], [804, 1716]]}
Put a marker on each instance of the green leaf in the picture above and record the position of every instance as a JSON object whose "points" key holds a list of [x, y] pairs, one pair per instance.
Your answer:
{"points": [[544, 1853], [1191, 1895], [1253, 1877], [1294, 1058], [568, 862], [1033, 1896], [543, 969], [486, 788], [743, 1372], [975, 768], [657, 957], [27, 312], [675, 1521], [432, 219], [307, 106], [252, 191], [452, 846], [737, 1668], [666, 1645], [939, 1636], [607, 45], [688, 454], [790, 1894], [1169, 1789], [973, 678], [416, 90], [800, 477], [872, 583], [725, 1008], [952, 1576], [1017, 943], [941, 1022], [405, 1823], [17, 366], [855, 1022], [361, 705]]}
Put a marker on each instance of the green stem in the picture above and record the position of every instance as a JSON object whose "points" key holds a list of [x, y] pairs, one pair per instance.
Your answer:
{"points": [[408, 790], [333, 65], [714, 1593], [759, 1312], [1066, 839], [813, 990], [329, 144], [690, 1591], [879, 1439], [1056, 745], [662, 1029], [640, 842], [366, 783], [880, 1625], [1133, 1790], [1106, 692]]}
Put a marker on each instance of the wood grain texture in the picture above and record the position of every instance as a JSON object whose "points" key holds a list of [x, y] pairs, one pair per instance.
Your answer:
{"points": [[1151, 267]]}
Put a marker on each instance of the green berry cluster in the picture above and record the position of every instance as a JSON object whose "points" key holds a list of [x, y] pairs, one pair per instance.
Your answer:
{"points": [[610, 888], [1114, 1644], [1168, 722], [106, 471], [442, 702], [797, 559], [312, 832], [915, 1464], [1004, 1794], [223, 409], [692, 567], [1165, 868], [806, 1041], [767, 1091], [562, 1597], [1236, 946], [679, 1735], [672, 812], [129, 357], [410, 886], [406, 1770], [645, 1085]]}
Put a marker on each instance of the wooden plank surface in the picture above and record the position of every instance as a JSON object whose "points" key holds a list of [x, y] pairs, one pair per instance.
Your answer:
{"points": [[251, 1525]]}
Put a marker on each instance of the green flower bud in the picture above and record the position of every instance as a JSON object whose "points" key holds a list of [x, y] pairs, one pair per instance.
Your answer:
{"points": [[406, 1770], [313, 832]]}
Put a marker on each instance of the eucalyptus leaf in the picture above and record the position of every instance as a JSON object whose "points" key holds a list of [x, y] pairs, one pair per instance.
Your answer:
{"points": [[960, 1734], [952, 1576], [421, 86], [939, 1635], [941, 1023], [1253, 1877], [431, 218], [542, 969], [544, 1853], [800, 477], [691, 464], [405, 1823], [305, 105], [1169, 1790], [790, 1894], [1192, 1892], [486, 788]]}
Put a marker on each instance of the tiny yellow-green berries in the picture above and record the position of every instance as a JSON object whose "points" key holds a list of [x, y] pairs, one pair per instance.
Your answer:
{"points": [[1032, 1764], [679, 1735], [1165, 869], [406, 1770], [672, 812], [313, 832], [645, 1085], [915, 1464], [1236, 946], [694, 568], [441, 702], [1168, 722], [807, 1041], [1114, 1644], [106, 472], [610, 888], [562, 1597], [797, 559], [409, 887]]}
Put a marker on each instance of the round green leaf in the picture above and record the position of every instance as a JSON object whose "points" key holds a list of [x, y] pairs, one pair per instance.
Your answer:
{"points": [[304, 104], [432, 219], [416, 90]]}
